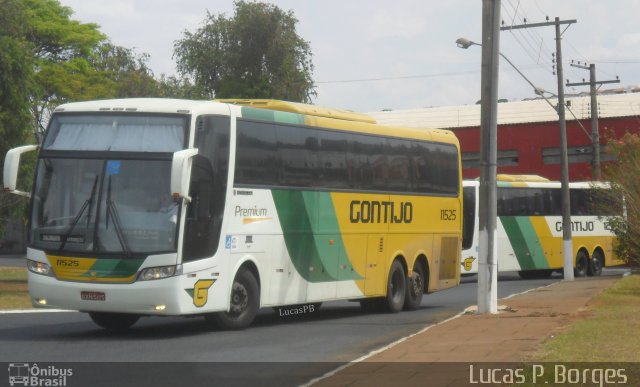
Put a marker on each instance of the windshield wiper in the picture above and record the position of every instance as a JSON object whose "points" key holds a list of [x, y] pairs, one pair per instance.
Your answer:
{"points": [[76, 219], [112, 212]]}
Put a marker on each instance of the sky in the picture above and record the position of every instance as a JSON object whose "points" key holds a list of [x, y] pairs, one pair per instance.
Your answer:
{"points": [[371, 55]]}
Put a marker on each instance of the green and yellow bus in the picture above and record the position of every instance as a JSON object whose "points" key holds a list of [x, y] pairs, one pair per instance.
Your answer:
{"points": [[273, 204], [529, 228]]}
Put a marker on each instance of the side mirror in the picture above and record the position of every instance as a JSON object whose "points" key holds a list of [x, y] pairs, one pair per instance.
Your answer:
{"points": [[180, 171], [11, 166]]}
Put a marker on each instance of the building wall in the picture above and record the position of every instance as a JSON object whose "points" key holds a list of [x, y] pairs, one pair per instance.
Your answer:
{"points": [[534, 148], [528, 132]]}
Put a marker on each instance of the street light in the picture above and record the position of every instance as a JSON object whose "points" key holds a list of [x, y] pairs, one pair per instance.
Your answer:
{"points": [[487, 213], [567, 250], [466, 43]]}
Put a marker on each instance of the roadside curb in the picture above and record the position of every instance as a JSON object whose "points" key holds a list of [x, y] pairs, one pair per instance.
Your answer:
{"points": [[471, 310]]}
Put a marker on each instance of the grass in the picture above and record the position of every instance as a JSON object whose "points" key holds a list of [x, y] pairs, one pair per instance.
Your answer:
{"points": [[610, 334], [13, 289]]}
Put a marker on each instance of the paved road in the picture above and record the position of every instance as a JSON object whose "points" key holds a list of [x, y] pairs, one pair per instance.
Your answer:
{"points": [[275, 350], [303, 347]]}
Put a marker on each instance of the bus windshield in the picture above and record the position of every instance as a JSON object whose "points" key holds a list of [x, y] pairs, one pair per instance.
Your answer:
{"points": [[116, 132], [103, 206]]}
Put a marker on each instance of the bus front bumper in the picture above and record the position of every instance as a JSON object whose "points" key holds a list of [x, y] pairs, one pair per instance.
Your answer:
{"points": [[157, 297]]}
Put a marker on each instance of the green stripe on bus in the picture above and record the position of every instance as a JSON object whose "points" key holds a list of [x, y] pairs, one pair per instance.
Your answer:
{"points": [[272, 115], [334, 252], [525, 242], [114, 268], [311, 234]]}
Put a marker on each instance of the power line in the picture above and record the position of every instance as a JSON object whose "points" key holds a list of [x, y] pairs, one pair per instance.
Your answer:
{"points": [[534, 40], [401, 77]]}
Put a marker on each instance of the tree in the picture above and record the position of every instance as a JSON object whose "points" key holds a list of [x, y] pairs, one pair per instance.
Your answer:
{"points": [[124, 71], [16, 73], [625, 191], [254, 54], [61, 48], [174, 87]]}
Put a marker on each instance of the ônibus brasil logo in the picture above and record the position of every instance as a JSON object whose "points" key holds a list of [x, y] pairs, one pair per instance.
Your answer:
{"points": [[24, 374]]}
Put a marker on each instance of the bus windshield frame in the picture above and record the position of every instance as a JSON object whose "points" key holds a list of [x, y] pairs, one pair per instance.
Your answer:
{"points": [[94, 200]]}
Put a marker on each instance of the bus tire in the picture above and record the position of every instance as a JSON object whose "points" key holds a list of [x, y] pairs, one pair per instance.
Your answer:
{"points": [[582, 264], [415, 289], [396, 288], [595, 264], [114, 321], [244, 303]]}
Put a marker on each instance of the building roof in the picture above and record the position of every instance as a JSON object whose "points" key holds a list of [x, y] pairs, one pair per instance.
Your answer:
{"points": [[520, 112]]}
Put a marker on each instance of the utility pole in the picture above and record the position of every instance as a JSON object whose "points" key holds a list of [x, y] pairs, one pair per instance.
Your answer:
{"points": [[567, 245], [595, 134], [487, 215]]}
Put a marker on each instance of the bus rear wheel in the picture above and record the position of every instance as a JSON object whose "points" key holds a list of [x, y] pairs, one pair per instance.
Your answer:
{"points": [[114, 321], [244, 304], [415, 289], [396, 288], [596, 264], [582, 264]]}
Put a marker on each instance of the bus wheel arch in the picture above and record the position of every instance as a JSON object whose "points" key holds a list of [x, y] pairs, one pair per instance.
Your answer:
{"points": [[596, 263], [244, 300], [417, 284], [582, 263]]}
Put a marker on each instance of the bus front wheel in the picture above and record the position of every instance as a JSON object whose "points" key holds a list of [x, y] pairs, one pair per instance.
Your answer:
{"points": [[244, 304], [114, 321], [582, 264], [396, 288]]}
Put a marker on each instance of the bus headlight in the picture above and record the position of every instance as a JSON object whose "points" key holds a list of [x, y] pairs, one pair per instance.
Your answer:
{"points": [[39, 267], [160, 272]]}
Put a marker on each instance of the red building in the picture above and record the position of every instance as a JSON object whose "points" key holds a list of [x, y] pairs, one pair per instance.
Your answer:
{"points": [[529, 132]]}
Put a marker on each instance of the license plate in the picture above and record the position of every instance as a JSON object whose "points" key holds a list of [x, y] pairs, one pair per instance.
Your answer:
{"points": [[93, 296]]}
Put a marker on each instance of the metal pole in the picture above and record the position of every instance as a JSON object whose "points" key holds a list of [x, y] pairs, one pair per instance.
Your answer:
{"points": [[567, 246], [595, 134], [488, 269]]}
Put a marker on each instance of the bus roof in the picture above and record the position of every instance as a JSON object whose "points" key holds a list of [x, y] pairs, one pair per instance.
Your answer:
{"points": [[153, 105], [523, 178], [312, 115], [301, 108]]}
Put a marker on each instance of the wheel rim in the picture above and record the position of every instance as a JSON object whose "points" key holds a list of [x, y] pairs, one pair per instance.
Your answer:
{"points": [[597, 264], [239, 299], [416, 282]]}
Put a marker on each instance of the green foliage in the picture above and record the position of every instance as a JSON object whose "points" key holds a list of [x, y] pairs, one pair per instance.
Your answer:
{"points": [[61, 48], [174, 87], [16, 72], [254, 54], [124, 73], [624, 184]]}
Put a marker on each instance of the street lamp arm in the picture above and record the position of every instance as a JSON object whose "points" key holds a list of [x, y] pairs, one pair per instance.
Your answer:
{"points": [[466, 43]]}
